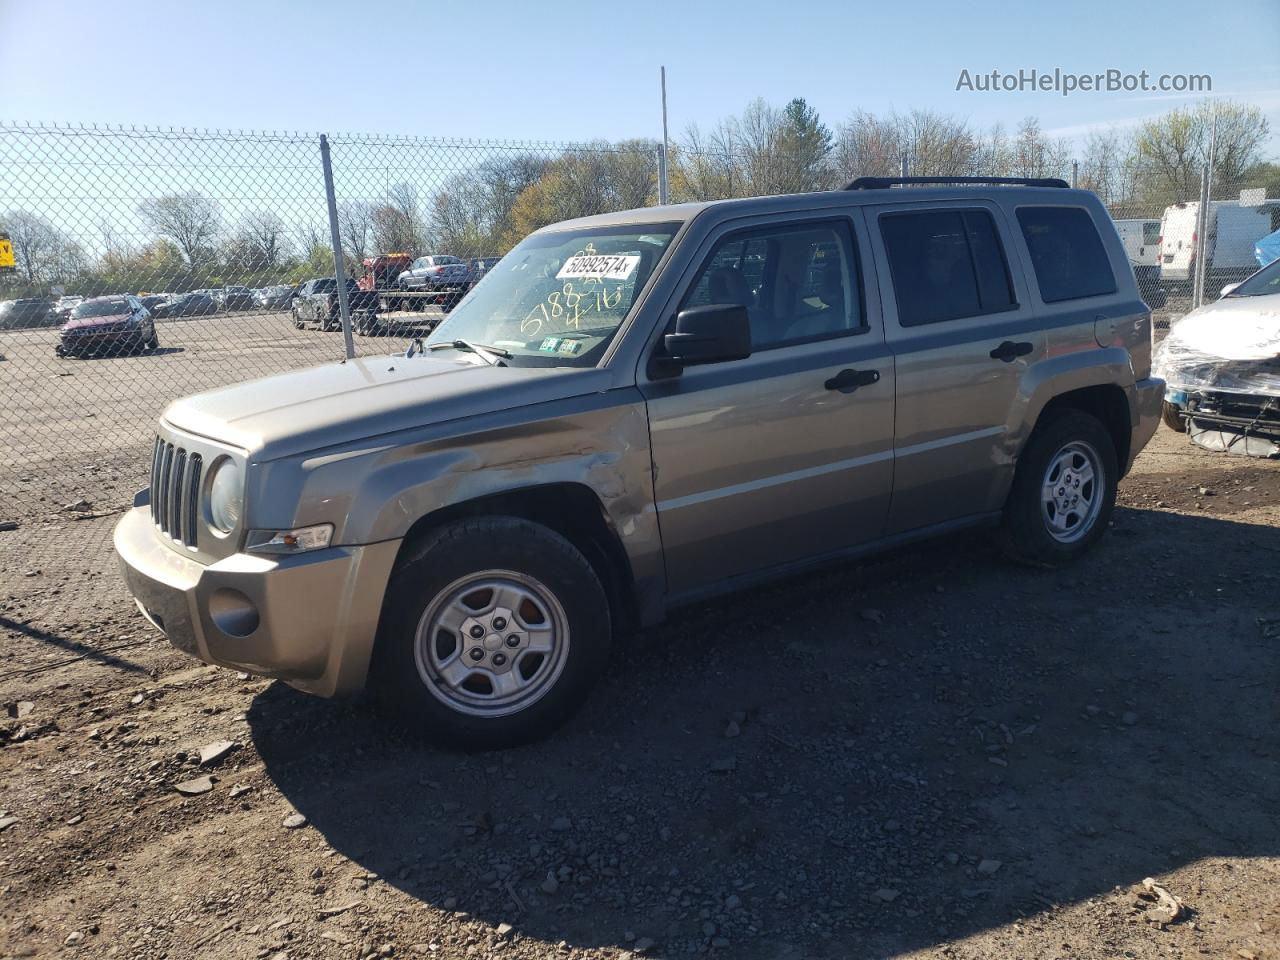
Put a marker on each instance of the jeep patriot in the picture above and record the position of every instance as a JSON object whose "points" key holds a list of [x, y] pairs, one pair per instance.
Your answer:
{"points": [[636, 410]]}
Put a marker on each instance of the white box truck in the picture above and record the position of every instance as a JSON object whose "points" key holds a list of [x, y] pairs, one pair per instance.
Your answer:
{"points": [[1232, 230]]}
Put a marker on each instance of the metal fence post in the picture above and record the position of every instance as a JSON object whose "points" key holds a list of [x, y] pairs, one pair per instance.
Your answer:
{"points": [[664, 193], [1202, 229], [339, 268], [1075, 174]]}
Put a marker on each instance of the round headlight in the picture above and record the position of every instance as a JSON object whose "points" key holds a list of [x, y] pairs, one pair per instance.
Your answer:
{"points": [[225, 496]]}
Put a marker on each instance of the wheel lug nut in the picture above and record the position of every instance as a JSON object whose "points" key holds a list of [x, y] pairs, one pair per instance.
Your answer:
{"points": [[476, 653], [513, 641], [499, 659], [477, 631], [499, 622]]}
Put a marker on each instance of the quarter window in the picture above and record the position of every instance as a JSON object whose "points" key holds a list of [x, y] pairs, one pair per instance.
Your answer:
{"points": [[945, 265], [798, 283], [1066, 252]]}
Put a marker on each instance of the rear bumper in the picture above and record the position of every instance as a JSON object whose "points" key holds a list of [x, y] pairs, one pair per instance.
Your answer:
{"points": [[309, 620], [1148, 397]]}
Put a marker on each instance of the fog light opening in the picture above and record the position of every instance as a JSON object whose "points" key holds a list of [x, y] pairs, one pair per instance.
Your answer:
{"points": [[233, 612]]}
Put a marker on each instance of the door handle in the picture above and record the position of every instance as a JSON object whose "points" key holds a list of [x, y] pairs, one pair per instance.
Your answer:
{"points": [[847, 381], [1008, 351]]}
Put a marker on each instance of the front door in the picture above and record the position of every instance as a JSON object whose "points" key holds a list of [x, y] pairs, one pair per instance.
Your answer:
{"points": [[787, 454]]}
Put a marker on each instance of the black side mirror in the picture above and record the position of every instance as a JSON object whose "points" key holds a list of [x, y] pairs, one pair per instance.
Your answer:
{"points": [[710, 334]]}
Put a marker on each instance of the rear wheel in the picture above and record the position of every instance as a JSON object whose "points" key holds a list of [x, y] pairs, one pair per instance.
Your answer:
{"points": [[1064, 490], [493, 632], [297, 320]]}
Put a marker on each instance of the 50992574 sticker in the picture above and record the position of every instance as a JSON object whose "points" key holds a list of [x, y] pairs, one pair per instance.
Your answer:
{"points": [[595, 266]]}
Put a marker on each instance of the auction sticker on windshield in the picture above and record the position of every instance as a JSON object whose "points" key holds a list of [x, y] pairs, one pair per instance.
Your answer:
{"points": [[592, 266]]}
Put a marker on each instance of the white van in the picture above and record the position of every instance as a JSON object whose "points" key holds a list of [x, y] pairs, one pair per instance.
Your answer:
{"points": [[1232, 231], [1141, 239]]}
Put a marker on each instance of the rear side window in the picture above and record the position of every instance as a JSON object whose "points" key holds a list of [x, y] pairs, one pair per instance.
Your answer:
{"points": [[1151, 232], [945, 265], [1066, 252]]}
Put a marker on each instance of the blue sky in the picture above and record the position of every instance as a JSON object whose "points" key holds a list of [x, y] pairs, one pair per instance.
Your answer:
{"points": [[574, 71]]}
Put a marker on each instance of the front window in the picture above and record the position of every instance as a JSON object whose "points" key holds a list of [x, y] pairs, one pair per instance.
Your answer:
{"points": [[1265, 281], [101, 308], [558, 299]]}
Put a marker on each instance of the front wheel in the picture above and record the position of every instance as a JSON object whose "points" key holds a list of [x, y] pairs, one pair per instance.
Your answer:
{"points": [[1172, 417], [1064, 490], [493, 632], [297, 320]]}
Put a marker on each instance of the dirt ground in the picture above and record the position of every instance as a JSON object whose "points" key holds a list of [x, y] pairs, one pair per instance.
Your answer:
{"points": [[930, 754]]}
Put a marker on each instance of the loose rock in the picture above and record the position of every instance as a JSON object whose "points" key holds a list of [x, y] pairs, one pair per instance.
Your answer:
{"points": [[195, 787], [294, 821], [213, 753]]}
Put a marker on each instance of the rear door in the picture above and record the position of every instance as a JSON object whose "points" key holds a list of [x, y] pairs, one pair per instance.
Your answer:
{"points": [[959, 320], [787, 454]]}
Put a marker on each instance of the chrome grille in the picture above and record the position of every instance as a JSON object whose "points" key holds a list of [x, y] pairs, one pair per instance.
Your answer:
{"points": [[175, 491]]}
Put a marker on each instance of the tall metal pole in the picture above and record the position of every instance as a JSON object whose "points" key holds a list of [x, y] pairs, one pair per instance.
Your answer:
{"points": [[1075, 174], [1205, 221], [663, 188], [335, 236]]}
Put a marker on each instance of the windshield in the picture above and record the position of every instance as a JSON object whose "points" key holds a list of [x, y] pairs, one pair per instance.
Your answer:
{"points": [[557, 299], [101, 308], [1266, 280]]}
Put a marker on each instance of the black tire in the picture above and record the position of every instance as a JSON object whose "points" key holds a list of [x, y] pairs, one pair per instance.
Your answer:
{"points": [[1172, 417], [297, 320], [1024, 531], [152, 342], [429, 571]]}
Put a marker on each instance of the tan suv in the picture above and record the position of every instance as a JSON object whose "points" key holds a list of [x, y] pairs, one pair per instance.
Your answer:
{"points": [[640, 409]]}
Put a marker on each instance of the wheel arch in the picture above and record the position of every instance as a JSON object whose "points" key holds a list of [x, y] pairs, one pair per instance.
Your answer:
{"points": [[1107, 403], [572, 510]]}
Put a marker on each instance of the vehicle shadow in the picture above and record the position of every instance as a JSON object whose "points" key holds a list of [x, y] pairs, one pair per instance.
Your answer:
{"points": [[127, 354], [74, 647], [859, 763]]}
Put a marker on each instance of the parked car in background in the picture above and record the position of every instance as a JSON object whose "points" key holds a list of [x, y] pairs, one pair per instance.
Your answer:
{"points": [[64, 305], [107, 326], [662, 405], [278, 297], [481, 265], [317, 302], [27, 312], [447, 276], [235, 298], [194, 304], [153, 300]]}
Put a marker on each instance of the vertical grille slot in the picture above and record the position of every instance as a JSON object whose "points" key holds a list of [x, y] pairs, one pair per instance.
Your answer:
{"points": [[174, 525], [156, 454], [191, 499], [162, 490]]}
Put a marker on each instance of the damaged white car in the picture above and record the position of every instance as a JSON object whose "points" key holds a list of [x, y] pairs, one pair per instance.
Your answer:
{"points": [[1221, 367]]}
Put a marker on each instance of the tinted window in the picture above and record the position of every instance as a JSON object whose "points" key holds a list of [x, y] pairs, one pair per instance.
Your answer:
{"points": [[1066, 252], [797, 283], [946, 264], [1151, 232]]}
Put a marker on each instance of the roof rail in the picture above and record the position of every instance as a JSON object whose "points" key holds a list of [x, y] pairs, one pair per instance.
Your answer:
{"points": [[883, 183]]}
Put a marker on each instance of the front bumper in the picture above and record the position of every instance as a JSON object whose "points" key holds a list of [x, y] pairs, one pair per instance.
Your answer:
{"points": [[1148, 398], [97, 342], [308, 619]]}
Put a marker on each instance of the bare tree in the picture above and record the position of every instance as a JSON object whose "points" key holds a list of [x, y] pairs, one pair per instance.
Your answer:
{"points": [[43, 253], [259, 242], [397, 223], [1172, 149], [188, 219], [355, 226]]}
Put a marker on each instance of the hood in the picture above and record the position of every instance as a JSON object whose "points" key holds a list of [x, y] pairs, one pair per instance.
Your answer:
{"points": [[82, 323], [1233, 328], [311, 409]]}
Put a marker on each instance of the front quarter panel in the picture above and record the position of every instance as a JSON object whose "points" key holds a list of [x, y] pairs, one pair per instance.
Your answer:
{"points": [[377, 490]]}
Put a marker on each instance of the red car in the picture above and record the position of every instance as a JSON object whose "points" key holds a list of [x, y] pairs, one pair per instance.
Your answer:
{"points": [[108, 326]]}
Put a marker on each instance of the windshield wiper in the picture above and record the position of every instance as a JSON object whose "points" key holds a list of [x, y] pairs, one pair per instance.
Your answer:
{"points": [[490, 355]]}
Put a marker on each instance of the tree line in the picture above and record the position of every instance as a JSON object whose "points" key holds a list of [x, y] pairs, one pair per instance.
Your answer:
{"points": [[187, 240]]}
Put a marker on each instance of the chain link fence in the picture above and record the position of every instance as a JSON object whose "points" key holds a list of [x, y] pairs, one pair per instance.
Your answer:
{"points": [[152, 264]]}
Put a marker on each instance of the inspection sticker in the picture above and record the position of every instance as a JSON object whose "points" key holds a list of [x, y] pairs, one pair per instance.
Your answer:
{"points": [[599, 267], [549, 344]]}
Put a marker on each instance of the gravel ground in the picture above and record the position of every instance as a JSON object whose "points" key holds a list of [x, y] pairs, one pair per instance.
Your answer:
{"points": [[930, 754]]}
